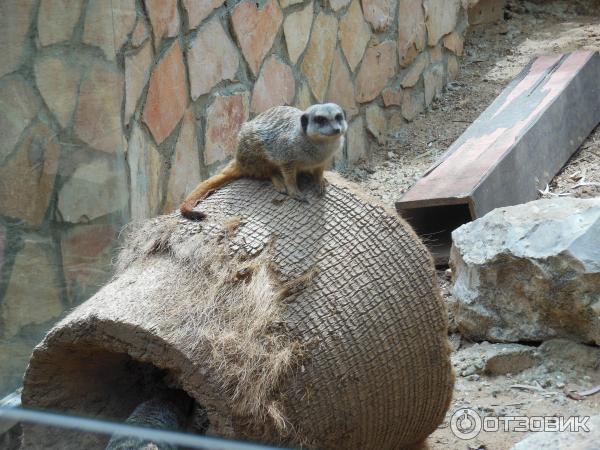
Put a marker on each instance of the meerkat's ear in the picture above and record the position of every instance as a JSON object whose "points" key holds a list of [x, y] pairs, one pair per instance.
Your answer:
{"points": [[304, 121]]}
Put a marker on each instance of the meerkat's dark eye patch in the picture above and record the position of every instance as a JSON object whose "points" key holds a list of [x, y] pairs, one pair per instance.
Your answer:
{"points": [[339, 117], [320, 120], [304, 121]]}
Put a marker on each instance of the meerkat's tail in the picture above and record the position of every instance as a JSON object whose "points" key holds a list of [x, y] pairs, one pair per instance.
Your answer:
{"points": [[232, 171]]}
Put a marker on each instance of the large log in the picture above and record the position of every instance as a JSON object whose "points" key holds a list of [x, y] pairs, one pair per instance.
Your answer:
{"points": [[316, 324]]}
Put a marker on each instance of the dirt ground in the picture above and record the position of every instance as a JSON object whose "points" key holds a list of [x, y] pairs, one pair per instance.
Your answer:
{"points": [[494, 55]]}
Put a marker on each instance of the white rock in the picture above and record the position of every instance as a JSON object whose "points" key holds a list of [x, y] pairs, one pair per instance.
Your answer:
{"points": [[530, 272]]}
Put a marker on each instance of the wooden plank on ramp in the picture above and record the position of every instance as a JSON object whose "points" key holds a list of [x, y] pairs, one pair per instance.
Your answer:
{"points": [[513, 149]]}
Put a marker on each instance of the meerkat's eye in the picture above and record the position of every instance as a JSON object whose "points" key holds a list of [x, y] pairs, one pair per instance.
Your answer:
{"points": [[320, 120], [339, 117]]}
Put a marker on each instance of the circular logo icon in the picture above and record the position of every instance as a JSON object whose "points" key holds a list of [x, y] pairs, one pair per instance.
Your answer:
{"points": [[465, 423]]}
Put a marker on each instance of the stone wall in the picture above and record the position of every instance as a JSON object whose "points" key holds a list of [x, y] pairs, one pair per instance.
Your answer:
{"points": [[112, 111]]}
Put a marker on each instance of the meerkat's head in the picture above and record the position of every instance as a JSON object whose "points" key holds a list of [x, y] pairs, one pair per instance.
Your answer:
{"points": [[324, 122]]}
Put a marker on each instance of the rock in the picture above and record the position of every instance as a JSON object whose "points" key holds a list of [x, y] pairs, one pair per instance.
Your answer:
{"points": [[440, 17], [146, 175], [297, 31], [140, 33], [32, 295], [167, 95], [224, 117], [86, 252], [376, 122], [433, 79], [18, 106], [494, 359], [104, 180], [565, 354], [107, 25], [185, 164], [356, 141], [413, 74], [378, 66], [336, 5], [530, 272], [255, 30], [15, 20], [453, 67], [413, 103], [411, 31], [98, 112], [212, 57], [275, 86], [58, 84], [27, 179], [316, 65], [303, 98], [354, 34], [198, 10], [137, 73], [341, 88], [57, 19], [164, 18], [379, 13], [455, 43], [392, 96], [583, 439]]}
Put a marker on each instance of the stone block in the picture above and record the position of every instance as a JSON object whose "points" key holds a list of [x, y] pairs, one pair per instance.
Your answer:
{"points": [[32, 295], [379, 13], [167, 94], [224, 117], [455, 43], [275, 86], [98, 112], [212, 57], [376, 122], [255, 29], [413, 103], [486, 11], [413, 74], [392, 96], [87, 251], [296, 28], [378, 66], [27, 178], [107, 25], [58, 83], [316, 65], [164, 18], [411, 31], [18, 106], [185, 164], [356, 141], [441, 17], [146, 174], [336, 5], [433, 79], [354, 34], [341, 88], [137, 74], [198, 10], [140, 33], [57, 20], [15, 20], [95, 189]]}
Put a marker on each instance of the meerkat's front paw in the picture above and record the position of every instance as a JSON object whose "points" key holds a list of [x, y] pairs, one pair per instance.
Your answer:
{"points": [[322, 186], [299, 197]]}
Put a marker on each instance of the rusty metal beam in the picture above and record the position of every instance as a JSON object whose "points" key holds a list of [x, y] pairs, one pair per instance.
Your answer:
{"points": [[513, 149]]}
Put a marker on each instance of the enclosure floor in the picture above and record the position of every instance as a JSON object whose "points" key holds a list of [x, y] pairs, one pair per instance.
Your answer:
{"points": [[494, 54]]}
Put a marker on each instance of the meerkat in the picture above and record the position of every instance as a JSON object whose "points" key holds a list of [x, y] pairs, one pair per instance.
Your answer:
{"points": [[276, 145]]}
